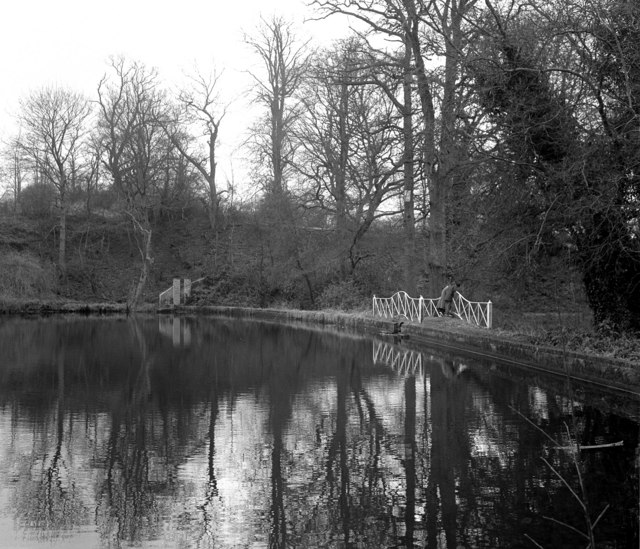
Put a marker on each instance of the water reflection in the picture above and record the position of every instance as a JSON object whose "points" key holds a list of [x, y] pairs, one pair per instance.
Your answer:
{"points": [[185, 432]]}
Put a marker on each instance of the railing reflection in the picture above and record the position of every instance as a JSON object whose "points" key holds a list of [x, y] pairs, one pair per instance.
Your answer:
{"points": [[412, 363], [404, 361], [176, 328]]}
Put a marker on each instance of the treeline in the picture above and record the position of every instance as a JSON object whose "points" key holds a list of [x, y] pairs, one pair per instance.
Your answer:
{"points": [[481, 140]]}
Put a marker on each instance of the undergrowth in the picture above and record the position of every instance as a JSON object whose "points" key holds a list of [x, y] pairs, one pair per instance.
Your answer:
{"points": [[621, 346], [25, 276], [572, 333]]}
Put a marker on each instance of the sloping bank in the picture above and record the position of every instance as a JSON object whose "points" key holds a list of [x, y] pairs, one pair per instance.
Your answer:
{"points": [[465, 339], [44, 308]]}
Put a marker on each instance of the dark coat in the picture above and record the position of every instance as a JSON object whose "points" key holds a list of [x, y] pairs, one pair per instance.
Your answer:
{"points": [[447, 295]]}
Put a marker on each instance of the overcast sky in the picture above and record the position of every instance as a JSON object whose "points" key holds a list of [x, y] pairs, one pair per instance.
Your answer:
{"points": [[69, 42]]}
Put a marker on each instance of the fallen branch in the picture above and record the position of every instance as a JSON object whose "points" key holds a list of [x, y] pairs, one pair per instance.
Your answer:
{"points": [[591, 447]]}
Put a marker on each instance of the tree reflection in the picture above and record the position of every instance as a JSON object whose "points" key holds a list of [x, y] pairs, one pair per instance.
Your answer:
{"points": [[338, 452], [126, 509], [279, 412], [211, 492], [48, 499], [449, 452], [409, 458]]}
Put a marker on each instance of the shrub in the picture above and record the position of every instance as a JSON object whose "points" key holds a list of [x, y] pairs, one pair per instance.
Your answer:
{"points": [[23, 275], [344, 295], [224, 290], [38, 200]]}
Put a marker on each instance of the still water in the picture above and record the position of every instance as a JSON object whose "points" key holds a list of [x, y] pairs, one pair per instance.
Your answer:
{"points": [[212, 433]]}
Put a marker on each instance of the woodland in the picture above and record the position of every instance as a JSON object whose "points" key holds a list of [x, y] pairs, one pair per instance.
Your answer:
{"points": [[493, 142]]}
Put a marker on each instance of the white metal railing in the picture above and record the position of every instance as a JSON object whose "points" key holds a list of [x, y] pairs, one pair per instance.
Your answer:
{"points": [[401, 304], [479, 313], [166, 297]]}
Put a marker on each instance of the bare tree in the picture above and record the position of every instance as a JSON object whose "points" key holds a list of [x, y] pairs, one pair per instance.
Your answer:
{"points": [[445, 22], [350, 147], [285, 63], [423, 28], [131, 140], [389, 19], [91, 173], [201, 107], [16, 164], [54, 122]]}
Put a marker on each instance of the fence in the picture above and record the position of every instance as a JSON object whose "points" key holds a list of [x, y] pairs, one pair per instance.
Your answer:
{"points": [[401, 304]]}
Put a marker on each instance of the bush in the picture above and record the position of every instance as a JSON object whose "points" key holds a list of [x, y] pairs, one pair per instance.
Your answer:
{"points": [[23, 275], [38, 200], [225, 291], [345, 295]]}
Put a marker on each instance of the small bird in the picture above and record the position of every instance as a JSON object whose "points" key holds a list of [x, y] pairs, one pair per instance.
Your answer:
{"points": [[397, 326]]}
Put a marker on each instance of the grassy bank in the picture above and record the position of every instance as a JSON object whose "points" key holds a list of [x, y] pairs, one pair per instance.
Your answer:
{"points": [[12, 306], [569, 331]]}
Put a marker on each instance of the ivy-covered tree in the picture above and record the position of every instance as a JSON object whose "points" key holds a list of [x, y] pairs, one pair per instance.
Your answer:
{"points": [[572, 148], [609, 235]]}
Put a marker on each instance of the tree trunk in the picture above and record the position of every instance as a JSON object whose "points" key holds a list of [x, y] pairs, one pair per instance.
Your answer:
{"points": [[211, 180], [436, 259], [17, 185], [213, 203], [277, 144], [62, 245], [448, 148], [147, 261], [408, 217], [340, 174]]}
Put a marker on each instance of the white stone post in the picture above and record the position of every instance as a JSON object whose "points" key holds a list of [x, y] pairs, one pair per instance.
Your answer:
{"points": [[187, 290], [176, 291]]}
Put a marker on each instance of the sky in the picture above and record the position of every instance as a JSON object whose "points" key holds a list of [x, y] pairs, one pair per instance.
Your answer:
{"points": [[69, 43]]}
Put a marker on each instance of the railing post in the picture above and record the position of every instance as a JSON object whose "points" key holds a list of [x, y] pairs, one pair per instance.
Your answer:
{"points": [[489, 314], [420, 305], [373, 305]]}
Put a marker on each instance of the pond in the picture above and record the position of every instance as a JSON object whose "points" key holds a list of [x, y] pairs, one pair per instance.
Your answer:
{"points": [[197, 432]]}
